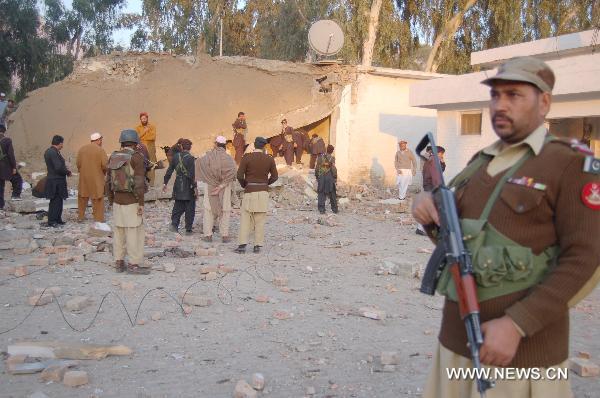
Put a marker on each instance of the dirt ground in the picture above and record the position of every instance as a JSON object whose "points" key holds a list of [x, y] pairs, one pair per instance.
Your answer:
{"points": [[330, 264]]}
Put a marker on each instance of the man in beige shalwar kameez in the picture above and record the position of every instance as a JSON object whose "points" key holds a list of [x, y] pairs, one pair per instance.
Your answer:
{"points": [[217, 170]]}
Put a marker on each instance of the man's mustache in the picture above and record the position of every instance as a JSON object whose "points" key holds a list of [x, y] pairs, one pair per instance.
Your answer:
{"points": [[501, 116]]}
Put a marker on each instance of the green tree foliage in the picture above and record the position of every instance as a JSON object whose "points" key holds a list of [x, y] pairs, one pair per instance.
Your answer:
{"points": [[39, 54], [24, 54]]}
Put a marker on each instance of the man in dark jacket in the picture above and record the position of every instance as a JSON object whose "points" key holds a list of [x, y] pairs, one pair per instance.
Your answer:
{"points": [[56, 183], [184, 189], [8, 168], [326, 174], [256, 172], [316, 146], [240, 131], [431, 177]]}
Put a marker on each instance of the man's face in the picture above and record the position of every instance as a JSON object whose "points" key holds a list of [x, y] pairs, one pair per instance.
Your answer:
{"points": [[242, 117], [403, 146], [144, 120], [60, 146], [517, 109], [283, 124], [99, 142]]}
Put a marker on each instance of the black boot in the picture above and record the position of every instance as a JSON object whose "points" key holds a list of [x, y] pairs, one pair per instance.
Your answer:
{"points": [[241, 249]]}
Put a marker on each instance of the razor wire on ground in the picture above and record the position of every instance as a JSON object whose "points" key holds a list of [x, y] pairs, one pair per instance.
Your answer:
{"points": [[223, 293]]}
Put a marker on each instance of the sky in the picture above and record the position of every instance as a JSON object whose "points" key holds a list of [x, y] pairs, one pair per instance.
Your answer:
{"points": [[122, 36]]}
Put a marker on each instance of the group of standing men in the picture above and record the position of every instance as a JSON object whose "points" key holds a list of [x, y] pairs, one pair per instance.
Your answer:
{"points": [[289, 143]]}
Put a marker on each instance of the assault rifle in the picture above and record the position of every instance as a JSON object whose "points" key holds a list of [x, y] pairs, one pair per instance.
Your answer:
{"points": [[450, 251]]}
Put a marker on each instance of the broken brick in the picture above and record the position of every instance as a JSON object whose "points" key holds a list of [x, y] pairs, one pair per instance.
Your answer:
{"points": [[211, 276], [390, 358], [198, 301], [244, 390], [205, 269], [282, 315], [372, 313], [39, 262], [258, 381], [280, 281], [77, 303], [584, 367], [156, 316], [54, 373], [21, 270], [75, 378]]}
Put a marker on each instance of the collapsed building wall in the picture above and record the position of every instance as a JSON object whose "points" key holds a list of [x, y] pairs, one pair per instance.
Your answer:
{"points": [[197, 98]]}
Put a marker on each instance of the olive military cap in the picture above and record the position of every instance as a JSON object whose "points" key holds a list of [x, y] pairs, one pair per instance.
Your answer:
{"points": [[525, 69]]}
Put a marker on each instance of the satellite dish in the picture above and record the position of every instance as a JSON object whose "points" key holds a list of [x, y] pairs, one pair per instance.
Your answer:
{"points": [[325, 37]]}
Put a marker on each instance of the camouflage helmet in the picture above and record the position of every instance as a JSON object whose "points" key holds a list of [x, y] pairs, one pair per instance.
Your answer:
{"points": [[129, 135]]}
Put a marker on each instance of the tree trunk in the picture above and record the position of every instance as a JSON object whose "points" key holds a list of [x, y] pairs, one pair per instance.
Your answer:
{"points": [[448, 31], [369, 44]]}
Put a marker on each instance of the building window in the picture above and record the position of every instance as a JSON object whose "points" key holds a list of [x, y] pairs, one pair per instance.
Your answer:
{"points": [[470, 123]]}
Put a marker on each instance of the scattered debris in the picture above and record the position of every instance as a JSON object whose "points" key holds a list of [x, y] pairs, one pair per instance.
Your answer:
{"points": [[169, 268], [258, 381], [584, 367], [198, 301], [282, 315], [77, 303], [390, 358], [372, 313], [75, 378], [99, 230], [54, 349], [244, 390], [56, 372]]}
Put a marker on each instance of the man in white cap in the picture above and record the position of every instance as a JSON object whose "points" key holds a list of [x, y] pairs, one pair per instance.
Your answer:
{"points": [[406, 168], [92, 165], [217, 170]]}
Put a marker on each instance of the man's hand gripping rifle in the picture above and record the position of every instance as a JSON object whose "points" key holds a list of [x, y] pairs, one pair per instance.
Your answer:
{"points": [[450, 252]]}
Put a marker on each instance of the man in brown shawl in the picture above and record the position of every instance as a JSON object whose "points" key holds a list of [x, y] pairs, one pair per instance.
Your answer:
{"points": [[217, 170], [240, 129]]}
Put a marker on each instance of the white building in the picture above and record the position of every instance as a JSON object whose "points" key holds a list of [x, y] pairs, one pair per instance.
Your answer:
{"points": [[463, 120], [372, 116]]}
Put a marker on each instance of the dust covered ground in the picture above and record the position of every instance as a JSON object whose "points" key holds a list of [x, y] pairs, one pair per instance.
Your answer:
{"points": [[293, 313]]}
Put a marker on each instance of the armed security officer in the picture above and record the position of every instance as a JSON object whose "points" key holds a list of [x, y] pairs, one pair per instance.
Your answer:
{"points": [[184, 189], [530, 208], [125, 185], [257, 171]]}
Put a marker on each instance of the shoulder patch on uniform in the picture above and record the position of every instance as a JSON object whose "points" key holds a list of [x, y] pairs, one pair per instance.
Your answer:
{"points": [[574, 144], [591, 165], [590, 195]]}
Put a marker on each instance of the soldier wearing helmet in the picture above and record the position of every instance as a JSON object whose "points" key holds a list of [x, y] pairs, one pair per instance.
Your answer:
{"points": [[125, 186]]}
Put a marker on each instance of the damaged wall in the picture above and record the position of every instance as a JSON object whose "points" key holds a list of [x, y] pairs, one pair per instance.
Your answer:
{"points": [[372, 116], [185, 97]]}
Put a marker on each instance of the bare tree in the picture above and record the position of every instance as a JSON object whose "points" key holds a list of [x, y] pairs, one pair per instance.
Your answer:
{"points": [[447, 32], [369, 44]]}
